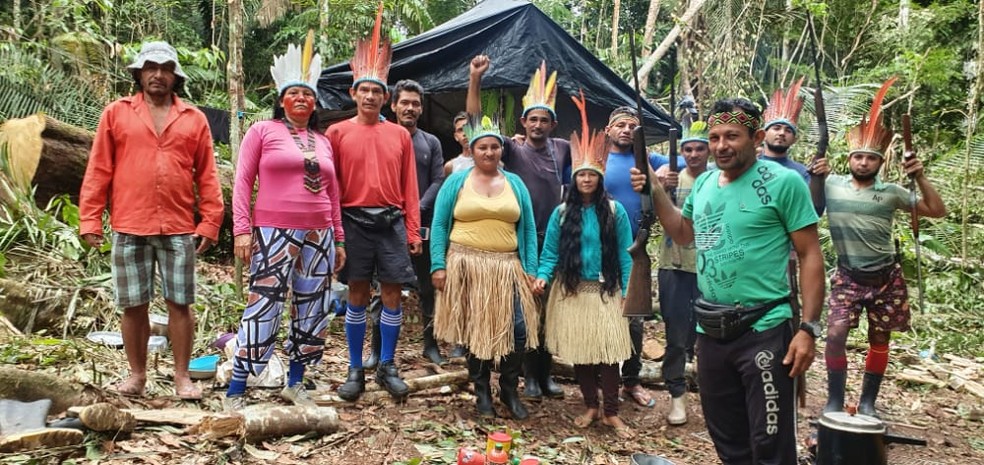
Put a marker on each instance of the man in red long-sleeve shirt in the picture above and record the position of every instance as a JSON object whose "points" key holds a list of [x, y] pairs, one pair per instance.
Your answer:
{"points": [[150, 153], [377, 175]]}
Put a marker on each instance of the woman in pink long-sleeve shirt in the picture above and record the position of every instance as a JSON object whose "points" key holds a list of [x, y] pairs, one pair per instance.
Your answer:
{"points": [[291, 237]]}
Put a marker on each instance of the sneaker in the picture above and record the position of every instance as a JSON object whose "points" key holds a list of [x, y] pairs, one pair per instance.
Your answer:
{"points": [[388, 377], [678, 410], [297, 395], [233, 404]]}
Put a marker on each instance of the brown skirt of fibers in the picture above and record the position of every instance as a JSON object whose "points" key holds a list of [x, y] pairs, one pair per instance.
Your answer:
{"points": [[476, 307], [587, 328]]}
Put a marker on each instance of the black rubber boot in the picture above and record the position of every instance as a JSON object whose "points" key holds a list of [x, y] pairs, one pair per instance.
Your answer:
{"points": [[458, 352], [509, 369], [431, 351], [480, 372], [547, 384], [354, 385], [375, 341], [388, 377], [531, 369], [869, 392], [836, 380]]}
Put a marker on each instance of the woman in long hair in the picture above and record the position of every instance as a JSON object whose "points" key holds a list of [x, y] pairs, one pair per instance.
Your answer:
{"points": [[483, 255], [586, 254], [291, 236]]}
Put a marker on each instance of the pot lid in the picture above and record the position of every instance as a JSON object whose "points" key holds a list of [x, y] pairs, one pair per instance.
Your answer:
{"points": [[844, 421]]}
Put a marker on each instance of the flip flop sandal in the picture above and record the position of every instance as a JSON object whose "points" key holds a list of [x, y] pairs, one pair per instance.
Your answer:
{"points": [[640, 396], [623, 432], [190, 394], [584, 420], [129, 388]]}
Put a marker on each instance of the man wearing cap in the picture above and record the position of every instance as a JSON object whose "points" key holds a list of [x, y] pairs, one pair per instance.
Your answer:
{"points": [[621, 124], [151, 155], [678, 275], [377, 173], [743, 219], [544, 165]]}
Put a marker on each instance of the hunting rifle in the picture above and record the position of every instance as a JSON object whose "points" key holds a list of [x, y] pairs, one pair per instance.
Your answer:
{"points": [[913, 199], [639, 294], [674, 166]]}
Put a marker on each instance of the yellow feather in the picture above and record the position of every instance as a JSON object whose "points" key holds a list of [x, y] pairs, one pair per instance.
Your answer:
{"points": [[307, 55]]}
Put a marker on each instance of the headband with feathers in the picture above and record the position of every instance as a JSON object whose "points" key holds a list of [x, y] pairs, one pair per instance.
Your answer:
{"points": [[542, 93], [372, 56], [590, 150], [479, 126], [696, 132], [784, 108], [871, 135], [297, 67]]}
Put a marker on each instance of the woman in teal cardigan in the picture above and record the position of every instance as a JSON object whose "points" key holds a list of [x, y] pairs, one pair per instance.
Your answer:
{"points": [[483, 259]]}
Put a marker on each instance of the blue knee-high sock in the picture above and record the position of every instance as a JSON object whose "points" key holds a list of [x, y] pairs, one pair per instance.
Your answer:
{"points": [[389, 330], [237, 386], [296, 373], [355, 333]]}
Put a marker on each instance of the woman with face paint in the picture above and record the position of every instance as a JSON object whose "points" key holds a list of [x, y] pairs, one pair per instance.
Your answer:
{"points": [[291, 236]]}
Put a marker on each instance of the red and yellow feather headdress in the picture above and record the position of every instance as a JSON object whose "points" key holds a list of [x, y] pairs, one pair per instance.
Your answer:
{"points": [[372, 56], [784, 108], [590, 150], [871, 135], [542, 93]]}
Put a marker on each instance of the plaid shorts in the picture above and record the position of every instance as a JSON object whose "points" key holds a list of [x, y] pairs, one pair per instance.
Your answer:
{"points": [[887, 306], [133, 268]]}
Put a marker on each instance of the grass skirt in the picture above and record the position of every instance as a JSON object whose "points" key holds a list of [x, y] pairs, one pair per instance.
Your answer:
{"points": [[476, 307], [585, 329]]}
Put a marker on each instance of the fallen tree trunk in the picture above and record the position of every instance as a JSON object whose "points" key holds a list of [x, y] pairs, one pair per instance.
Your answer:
{"points": [[651, 372], [259, 422], [166, 416], [29, 386], [48, 438], [31, 307]]}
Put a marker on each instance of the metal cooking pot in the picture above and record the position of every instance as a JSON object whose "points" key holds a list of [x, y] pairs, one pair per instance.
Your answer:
{"points": [[845, 439], [646, 459]]}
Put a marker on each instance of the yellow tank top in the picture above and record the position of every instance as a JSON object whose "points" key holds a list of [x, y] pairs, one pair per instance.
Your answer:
{"points": [[486, 223]]}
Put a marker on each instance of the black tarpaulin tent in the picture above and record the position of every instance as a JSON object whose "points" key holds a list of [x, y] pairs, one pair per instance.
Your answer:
{"points": [[517, 36]]}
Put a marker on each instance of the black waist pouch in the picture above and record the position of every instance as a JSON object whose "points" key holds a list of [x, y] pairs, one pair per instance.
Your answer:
{"points": [[727, 322], [877, 278], [373, 218]]}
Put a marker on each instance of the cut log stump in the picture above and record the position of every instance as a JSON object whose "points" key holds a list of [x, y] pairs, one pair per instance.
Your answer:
{"points": [[259, 422], [43, 438]]}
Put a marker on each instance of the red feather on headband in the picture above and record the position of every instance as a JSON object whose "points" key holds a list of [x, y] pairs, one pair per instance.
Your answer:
{"points": [[590, 150], [372, 55], [785, 107], [871, 135]]}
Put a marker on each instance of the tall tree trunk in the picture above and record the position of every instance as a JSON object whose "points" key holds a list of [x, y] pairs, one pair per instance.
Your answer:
{"points": [[584, 20], [323, 23], [16, 14], [975, 95], [647, 36], [668, 41], [615, 15], [237, 100], [601, 20], [904, 7]]}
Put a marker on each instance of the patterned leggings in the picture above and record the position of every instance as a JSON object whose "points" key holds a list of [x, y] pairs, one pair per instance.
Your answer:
{"points": [[282, 258]]}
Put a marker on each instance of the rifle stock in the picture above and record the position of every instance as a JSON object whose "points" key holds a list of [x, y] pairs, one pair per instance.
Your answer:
{"points": [[638, 295]]}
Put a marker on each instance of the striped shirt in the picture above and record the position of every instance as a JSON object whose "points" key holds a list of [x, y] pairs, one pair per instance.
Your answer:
{"points": [[861, 221]]}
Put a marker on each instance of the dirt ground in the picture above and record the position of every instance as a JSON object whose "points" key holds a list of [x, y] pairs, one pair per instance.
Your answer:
{"points": [[430, 426]]}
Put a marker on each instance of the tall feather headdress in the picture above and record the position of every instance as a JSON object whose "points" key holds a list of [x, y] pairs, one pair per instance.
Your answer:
{"points": [[297, 67], [784, 108], [589, 151], [871, 135], [372, 56], [542, 93]]}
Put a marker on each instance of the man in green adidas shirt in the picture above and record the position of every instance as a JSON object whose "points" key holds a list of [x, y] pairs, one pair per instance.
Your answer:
{"points": [[743, 218]]}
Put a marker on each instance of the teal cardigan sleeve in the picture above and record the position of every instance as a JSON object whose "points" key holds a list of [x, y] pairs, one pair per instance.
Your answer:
{"points": [[526, 229], [623, 232], [447, 197], [551, 243]]}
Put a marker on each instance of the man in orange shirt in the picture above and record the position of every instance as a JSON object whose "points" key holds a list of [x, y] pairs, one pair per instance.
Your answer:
{"points": [[150, 154]]}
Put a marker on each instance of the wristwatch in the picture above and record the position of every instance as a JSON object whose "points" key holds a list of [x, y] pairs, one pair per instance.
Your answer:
{"points": [[811, 327]]}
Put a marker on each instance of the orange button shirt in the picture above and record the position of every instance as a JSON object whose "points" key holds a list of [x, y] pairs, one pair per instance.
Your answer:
{"points": [[150, 180]]}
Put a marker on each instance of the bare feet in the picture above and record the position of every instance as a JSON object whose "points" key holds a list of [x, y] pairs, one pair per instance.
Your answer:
{"points": [[132, 386], [621, 429], [186, 389], [585, 419]]}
